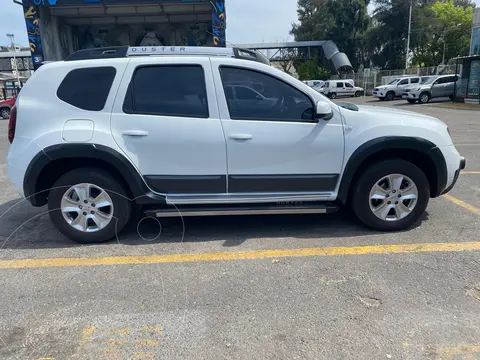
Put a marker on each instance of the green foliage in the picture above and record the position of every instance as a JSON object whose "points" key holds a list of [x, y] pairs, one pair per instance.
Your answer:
{"points": [[380, 39], [310, 70], [343, 21]]}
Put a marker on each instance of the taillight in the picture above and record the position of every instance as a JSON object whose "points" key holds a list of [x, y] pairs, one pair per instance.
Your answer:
{"points": [[12, 123]]}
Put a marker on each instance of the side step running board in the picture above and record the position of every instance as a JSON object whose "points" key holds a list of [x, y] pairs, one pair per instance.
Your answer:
{"points": [[244, 210]]}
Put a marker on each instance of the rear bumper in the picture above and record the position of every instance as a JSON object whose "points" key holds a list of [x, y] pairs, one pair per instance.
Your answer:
{"points": [[462, 165]]}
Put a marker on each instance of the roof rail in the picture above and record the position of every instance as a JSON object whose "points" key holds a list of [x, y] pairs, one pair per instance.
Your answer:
{"points": [[131, 51]]}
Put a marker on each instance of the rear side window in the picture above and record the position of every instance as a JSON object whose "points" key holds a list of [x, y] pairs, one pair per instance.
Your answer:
{"points": [[414, 80], [168, 90], [339, 84], [87, 88]]}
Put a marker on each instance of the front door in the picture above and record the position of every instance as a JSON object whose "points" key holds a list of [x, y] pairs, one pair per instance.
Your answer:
{"points": [[349, 89], [438, 88], [166, 121], [280, 149]]}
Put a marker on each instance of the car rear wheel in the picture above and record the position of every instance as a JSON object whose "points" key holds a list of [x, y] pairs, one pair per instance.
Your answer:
{"points": [[333, 96], [391, 195], [5, 113], [390, 96], [411, 101], [424, 98], [88, 205]]}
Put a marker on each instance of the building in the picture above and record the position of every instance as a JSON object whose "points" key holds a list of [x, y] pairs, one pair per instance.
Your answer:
{"points": [[56, 28]]}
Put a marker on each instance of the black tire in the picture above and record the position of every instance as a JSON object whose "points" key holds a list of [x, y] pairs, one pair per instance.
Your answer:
{"points": [[358, 93], [451, 97], [424, 98], [333, 95], [381, 98], [390, 96], [411, 101], [360, 200], [5, 113], [122, 205]]}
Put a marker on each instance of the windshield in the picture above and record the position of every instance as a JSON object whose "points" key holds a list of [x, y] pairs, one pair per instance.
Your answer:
{"points": [[393, 81], [429, 80]]}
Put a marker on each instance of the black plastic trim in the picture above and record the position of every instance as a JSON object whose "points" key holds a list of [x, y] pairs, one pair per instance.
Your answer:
{"points": [[187, 184], [134, 181], [282, 183], [381, 144]]}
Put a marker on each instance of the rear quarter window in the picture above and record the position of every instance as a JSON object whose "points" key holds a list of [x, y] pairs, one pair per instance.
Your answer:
{"points": [[87, 88]]}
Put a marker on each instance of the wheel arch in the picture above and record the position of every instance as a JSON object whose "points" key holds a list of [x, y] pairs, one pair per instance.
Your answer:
{"points": [[54, 161], [419, 151]]}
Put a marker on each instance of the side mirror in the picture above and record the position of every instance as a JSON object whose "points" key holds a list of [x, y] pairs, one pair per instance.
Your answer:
{"points": [[323, 110]]}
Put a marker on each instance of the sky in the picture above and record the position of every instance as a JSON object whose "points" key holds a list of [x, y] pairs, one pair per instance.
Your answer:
{"points": [[247, 21]]}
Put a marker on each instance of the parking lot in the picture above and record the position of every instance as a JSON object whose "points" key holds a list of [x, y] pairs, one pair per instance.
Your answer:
{"points": [[264, 287]]}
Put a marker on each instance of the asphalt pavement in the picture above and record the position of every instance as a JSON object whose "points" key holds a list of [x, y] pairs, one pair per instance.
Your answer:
{"points": [[253, 287]]}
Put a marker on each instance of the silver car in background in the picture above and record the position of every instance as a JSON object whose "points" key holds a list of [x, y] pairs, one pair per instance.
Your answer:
{"points": [[433, 87]]}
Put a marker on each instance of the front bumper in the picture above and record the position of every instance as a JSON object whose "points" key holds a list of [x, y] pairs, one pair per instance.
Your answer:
{"points": [[463, 163]]}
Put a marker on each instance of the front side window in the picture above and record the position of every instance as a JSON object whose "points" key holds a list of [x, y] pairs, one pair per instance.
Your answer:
{"points": [[277, 100], [169, 90], [348, 85], [244, 93], [403, 82]]}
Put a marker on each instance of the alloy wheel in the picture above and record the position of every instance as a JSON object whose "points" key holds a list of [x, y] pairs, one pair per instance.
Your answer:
{"points": [[87, 207], [393, 197]]}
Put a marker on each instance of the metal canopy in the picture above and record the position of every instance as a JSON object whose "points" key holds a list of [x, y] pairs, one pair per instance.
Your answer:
{"points": [[326, 50]]}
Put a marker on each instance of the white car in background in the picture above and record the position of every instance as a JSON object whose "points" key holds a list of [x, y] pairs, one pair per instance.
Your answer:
{"points": [[394, 88], [338, 88]]}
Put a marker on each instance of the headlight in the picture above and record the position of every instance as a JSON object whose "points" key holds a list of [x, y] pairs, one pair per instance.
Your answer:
{"points": [[418, 89]]}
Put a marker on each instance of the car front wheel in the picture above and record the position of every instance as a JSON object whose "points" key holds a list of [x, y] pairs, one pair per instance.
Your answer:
{"points": [[358, 93], [390, 96], [424, 98], [88, 205], [391, 195], [333, 96]]}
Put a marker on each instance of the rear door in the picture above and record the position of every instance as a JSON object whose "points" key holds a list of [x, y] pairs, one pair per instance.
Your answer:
{"points": [[341, 91], [166, 121]]}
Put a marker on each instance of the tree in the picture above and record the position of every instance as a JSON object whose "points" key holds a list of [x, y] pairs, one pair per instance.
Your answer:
{"points": [[453, 30], [386, 40], [343, 21], [310, 70]]}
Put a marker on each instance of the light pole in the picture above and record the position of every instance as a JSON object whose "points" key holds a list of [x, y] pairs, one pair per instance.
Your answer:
{"points": [[408, 34], [12, 41]]}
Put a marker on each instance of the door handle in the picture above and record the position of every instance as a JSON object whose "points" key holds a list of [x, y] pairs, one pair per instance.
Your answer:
{"points": [[241, 137], [135, 133]]}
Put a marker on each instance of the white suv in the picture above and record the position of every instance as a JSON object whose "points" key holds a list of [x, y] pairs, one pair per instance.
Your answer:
{"points": [[394, 88], [107, 131]]}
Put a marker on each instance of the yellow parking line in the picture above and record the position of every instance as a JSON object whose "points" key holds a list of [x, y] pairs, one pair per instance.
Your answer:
{"points": [[470, 173], [241, 255], [462, 203]]}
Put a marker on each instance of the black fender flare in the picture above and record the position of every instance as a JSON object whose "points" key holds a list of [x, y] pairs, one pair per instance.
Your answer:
{"points": [[133, 179], [380, 144]]}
